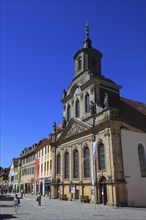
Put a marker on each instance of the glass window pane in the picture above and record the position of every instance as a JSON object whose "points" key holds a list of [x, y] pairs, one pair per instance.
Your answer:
{"points": [[87, 103], [67, 165], [86, 163], [68, 113], [58, 164], [142, 160], [101, 157], [76, 164], [77, 109]]}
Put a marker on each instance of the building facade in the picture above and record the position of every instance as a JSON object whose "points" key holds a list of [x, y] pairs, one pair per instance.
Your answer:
{"points": [[134, 166], [27, 158], [87, 153], [98, 153], [13, 176], [43, 174], [4, 180]]}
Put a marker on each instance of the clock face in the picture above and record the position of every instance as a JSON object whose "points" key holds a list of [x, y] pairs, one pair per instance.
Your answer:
{"points": [[77, 91]]}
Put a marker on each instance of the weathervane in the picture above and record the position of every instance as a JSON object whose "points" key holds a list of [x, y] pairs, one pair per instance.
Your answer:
{"points": [[87, 28]]}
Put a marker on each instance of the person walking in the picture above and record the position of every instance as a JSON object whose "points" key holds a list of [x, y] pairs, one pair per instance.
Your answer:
{"points": [[22, 193], [39, 199], [16, 202]]}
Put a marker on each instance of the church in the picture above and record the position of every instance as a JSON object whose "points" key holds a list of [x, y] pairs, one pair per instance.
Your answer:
{"points": [[99, 151]]}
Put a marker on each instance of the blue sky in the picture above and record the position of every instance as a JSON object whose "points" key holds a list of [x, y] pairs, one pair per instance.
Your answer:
{"points": [[38, 42]]}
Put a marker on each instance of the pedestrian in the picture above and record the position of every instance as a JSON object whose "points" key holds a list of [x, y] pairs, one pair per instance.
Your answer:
{"points": [[38, 199], [22, 192], [16, 202], [6, 191], [2, 191]]}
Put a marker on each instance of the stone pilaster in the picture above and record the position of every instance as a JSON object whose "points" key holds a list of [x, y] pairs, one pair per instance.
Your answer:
{"points": [[62, 165], [81, 170], [53, 188], [70, 170]]}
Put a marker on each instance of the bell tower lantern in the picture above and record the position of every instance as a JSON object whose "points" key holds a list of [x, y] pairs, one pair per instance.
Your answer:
{"points": [[87, 58]]}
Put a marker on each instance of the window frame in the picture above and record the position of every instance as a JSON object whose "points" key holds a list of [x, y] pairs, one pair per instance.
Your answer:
{"points": [[77, 109], [68, 112], [87, 103], [76, 164], [101, 157], [86, 162], [66, 165], [142, 160], [58, 164]]}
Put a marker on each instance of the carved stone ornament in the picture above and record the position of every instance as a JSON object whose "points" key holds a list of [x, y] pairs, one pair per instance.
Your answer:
{"points": [[106, 100], [92, 108], [81, 96], [75, 129], [64, 122], [77, 91], [53, 149], [99, 141]]}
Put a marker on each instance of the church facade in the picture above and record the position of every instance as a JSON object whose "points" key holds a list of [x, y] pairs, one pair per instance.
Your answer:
{"points": [[87, 152]]}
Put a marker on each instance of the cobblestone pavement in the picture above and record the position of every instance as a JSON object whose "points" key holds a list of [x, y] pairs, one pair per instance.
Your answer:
{"points": [[54, 209]]}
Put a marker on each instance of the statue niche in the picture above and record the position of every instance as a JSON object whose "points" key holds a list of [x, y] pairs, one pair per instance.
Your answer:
{"points": [[92, 108], [106, 100], [64, 122]]}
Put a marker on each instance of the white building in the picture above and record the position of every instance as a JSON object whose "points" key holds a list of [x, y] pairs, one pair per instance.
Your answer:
{"points": [[135, 172], [13, 178]]}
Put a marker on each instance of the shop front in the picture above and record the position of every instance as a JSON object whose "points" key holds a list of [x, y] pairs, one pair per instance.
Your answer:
{"points": [[47, 187]]}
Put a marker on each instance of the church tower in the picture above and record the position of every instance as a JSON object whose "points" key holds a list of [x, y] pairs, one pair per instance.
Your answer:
{"points": [[88, 59], [90, 118], [89, 91]]}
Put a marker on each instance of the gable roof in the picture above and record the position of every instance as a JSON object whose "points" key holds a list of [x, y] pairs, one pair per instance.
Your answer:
{"points": [[42, 143], [133, 114], [74, 128], [15, 161]]}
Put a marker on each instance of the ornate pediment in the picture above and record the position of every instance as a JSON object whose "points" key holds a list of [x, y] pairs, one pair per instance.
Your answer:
{"points": [[75, 129]]}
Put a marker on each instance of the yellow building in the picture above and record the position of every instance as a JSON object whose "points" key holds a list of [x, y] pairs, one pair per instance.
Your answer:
{"points": [[27, 158], [87, 153], [43, 168]]}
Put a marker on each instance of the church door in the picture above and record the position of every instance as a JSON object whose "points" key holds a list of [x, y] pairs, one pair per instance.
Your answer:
{"points": [[102, 190]]}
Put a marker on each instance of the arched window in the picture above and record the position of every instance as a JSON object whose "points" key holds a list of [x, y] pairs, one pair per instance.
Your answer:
{"points": [[77, 109], [86, 163], [76, 164], [68, 113], [87, 103], [79, 64], [58, 163], [142, 160], [101, 157], [66, 165]]}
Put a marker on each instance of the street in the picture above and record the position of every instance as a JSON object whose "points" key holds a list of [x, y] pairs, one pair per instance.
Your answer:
{"points": [[65, 210]]}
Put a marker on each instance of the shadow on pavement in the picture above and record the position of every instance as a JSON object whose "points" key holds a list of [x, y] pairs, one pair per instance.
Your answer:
{"points": [[7, 216], [6, 198], [3, 206]]}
